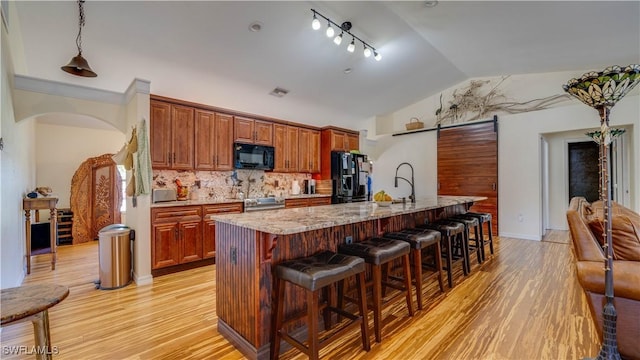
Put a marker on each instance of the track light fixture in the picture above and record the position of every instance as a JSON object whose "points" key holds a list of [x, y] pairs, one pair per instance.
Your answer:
{"points": [[344, 28]]}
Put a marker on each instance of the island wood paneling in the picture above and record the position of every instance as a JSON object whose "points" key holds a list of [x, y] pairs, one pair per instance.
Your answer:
{"points": [[245, 259], [468, 165]]}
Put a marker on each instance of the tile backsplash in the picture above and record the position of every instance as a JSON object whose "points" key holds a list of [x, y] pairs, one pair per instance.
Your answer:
{"points": [[221, 185]]}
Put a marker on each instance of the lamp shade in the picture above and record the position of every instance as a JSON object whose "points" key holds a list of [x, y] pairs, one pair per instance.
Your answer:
{"points": [[605, 88], [79, 66]]}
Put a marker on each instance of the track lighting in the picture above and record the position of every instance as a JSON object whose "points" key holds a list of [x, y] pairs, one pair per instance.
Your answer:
{"points": [[344, 27], [351, 46], [330, 31], [338, 39], [315, 24]]}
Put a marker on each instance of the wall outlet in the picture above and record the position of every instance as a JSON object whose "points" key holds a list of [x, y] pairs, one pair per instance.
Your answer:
{"points": [[348, 240]]}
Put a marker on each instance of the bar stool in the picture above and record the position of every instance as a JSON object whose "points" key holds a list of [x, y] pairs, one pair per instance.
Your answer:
{"points": [[469, 222], [313, 274], [420, 239], [378, 252], [452, 234], [484, 218]]}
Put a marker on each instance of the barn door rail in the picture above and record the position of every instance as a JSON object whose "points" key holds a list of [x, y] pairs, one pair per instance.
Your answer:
{"points": [[440, 127]]}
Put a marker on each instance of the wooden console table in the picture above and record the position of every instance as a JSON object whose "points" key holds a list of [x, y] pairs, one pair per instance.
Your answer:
{"points": [[32, 303], [29, 204]]}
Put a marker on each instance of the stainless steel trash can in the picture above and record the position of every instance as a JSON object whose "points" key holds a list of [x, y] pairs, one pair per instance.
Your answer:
{"points": [[115, 256]]}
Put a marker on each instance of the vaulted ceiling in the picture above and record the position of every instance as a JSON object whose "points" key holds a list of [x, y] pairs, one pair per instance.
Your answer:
{"points": [[204, 51]]}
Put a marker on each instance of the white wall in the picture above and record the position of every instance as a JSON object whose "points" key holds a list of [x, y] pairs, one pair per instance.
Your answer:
{"points": [[519, 154], [17, 175], [61, 149]]}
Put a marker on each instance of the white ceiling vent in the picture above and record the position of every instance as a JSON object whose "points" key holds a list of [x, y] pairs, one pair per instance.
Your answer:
{"points": [[279, 92]]}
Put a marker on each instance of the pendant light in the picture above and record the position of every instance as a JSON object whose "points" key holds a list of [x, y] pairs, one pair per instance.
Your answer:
{"points": [[78, 64]]}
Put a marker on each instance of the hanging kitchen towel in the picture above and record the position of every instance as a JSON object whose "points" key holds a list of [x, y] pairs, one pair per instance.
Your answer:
{"points": [[121, 155], [143, 157]]}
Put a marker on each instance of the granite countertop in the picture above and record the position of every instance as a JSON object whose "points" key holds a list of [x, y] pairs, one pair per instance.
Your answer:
{"points": [[296, 220], [209, 201]]}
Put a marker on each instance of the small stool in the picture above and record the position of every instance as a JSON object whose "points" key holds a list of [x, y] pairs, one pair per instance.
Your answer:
{"points": [[452, 233], [484, 218], [420, 239], [469, 222], [312, 274], [378, 252]]}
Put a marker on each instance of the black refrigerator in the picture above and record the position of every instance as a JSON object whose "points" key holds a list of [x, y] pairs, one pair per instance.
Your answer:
{"points": [[349, 182]]}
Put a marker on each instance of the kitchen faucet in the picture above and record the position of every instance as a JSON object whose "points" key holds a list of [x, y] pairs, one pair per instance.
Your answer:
{"points": [[412, 182]]}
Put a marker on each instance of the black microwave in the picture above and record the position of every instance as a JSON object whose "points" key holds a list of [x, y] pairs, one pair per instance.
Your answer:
{"points": [[249, 156]]}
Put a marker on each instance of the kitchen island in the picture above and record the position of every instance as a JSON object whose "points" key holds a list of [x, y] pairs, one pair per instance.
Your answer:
{"points": [[249, 244]]}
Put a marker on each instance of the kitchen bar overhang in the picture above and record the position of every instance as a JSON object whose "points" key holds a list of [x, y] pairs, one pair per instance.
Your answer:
{"points": [[249, 244]]}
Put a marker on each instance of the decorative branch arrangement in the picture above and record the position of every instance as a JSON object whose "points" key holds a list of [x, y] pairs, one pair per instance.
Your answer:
{"points": [[471, 103]]}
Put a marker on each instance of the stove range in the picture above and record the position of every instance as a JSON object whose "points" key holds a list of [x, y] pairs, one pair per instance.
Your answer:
{"points": [[266, 203]]}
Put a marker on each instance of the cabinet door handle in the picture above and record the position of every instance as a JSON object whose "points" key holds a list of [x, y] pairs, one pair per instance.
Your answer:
{"points": [[177, 235], [217, 160], [169, 157], [174, 158]]}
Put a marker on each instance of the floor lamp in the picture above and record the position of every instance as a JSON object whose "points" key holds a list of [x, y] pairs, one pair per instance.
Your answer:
{"points": [[602, 90]]}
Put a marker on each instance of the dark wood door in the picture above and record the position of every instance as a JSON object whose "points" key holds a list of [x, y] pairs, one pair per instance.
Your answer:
{"points": [[182, 131], [468, 165], [583, 170], [205, 147], [224, 142], [160, 135]]}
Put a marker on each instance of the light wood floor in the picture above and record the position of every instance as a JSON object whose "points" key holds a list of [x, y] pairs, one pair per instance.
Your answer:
{"points": [[525, 303]]}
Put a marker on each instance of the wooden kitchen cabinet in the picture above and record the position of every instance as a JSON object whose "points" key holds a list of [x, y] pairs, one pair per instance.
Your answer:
{"points": [[209, 226], [251, 131], [172, 136], [338, 140], [285, 139], [353, 142], [306, 202], [176, 236], [309, 150], [213, 141]]}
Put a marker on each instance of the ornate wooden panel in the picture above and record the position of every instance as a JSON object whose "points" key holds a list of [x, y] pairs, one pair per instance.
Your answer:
{"points": [[96, 196]]}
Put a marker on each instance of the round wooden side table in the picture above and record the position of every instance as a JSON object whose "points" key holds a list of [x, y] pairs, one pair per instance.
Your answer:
{"points": [[31, 303]]}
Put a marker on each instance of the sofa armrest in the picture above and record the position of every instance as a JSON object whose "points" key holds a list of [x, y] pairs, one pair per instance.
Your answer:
{"points": [[626, 278], [585, 244]]}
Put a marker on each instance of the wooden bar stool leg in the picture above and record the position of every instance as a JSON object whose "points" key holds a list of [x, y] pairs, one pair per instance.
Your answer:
{"points": [[490, 237], [449, 261], [481, 226], [42, 335], [312, 312], [340, 300], [438, 260], [417, 271], [276, 319], [362, 305], [464, 246], [377, 300], [479, 245], [407, 281], [328, 293]]}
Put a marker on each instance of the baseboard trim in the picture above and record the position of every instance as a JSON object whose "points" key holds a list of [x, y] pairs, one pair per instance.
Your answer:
{"points": [[142, 280]]}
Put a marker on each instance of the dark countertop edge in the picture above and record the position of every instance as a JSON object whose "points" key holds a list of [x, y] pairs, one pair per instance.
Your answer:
{"points": [[228, 218], [226, 201]]}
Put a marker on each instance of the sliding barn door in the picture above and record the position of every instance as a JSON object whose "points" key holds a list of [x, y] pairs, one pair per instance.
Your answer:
{"points": [[468, 165]]}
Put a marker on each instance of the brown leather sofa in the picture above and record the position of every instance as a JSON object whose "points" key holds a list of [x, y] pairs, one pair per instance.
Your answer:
{"points": [[585, 224]]}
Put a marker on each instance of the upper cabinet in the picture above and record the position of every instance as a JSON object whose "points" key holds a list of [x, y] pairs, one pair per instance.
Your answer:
{"points": [[172, 136], [337, 140], [251, 131], [285, 140], [309, 150], [213, 141]]}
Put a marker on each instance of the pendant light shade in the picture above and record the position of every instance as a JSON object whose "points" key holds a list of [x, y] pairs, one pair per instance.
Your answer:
{"points": [[78, 65]]}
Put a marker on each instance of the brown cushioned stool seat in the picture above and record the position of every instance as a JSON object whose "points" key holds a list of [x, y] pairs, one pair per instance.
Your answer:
{"points": [[470, 222], [453, 236], [314, 273], [420, 239], [378, 252], [484, 218]]}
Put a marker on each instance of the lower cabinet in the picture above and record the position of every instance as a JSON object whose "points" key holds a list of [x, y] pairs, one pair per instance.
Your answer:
{"points": [[209, 226], [184, 234], [306, 202]]}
